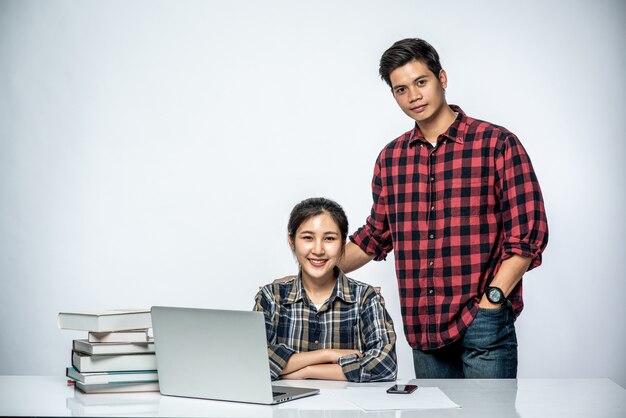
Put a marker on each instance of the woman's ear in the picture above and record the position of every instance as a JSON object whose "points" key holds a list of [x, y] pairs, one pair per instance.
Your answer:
{"points": [[292, 245]]}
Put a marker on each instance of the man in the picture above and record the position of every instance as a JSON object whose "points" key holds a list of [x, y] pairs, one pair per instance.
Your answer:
{"points": [[458, 201]]}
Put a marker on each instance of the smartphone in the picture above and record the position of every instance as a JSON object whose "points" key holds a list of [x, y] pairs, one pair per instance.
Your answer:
{"points": [[404, 389]]}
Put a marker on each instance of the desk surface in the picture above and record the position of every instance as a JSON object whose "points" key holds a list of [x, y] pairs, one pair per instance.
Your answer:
{"points": [[523, 398]]}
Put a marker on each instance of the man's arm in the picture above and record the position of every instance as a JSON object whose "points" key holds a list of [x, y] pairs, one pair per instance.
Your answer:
{"points": [[511, 271], [523, 213], [354, 258]]}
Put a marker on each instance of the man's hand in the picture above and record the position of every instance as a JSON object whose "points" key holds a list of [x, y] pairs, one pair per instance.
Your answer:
{"points": [[354, 258], [485, 304], [284, 279], [509, 275]]}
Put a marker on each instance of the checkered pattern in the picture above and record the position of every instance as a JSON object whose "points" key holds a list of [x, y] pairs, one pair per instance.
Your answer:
{"points": [[452, 213], [354, 317]]}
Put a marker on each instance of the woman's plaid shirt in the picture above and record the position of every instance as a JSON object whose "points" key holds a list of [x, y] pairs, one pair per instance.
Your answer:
{"points": [[354, 317], [452, 213]]}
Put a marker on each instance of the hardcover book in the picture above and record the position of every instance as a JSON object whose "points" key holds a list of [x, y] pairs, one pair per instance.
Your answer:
{"points": [[85, 363], [130, 336], [87, 347], [119, 387], [95, 378], [105, 321]]}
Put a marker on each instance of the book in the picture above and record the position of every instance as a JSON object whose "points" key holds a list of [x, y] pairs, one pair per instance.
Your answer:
{"points": [[112, 377], [129, 336], [105, 321], [85, 346], [119, 387], [85, 363]]}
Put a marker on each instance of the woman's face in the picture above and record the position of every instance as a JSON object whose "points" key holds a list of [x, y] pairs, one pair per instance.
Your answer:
{"points": [[318, 247]]}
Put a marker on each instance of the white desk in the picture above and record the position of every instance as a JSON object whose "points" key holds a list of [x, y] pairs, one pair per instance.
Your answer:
{"points": [[523, 398]]}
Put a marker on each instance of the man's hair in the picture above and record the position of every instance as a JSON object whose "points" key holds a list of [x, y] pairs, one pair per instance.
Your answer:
{"points": [[405, 51], [314, 206]]}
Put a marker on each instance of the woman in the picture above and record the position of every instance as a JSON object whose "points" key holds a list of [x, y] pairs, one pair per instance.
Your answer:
{"points": [[322, 324]]}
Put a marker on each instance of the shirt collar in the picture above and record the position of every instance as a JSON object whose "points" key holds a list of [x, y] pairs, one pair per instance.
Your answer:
{"points": [[341, 290], [455, 132]]}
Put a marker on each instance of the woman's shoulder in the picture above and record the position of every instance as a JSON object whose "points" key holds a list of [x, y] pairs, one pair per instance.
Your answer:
{"points": [[278, 289], [362, 289]]}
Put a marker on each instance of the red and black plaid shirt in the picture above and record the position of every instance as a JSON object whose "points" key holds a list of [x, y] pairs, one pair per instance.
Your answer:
{"points": [[452, 213]]}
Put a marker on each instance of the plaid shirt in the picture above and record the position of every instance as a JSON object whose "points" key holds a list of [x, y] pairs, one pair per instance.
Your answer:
{"points": [[452, 213], [354, 317]]}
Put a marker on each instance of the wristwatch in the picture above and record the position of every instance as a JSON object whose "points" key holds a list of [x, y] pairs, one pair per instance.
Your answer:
{"points": [[495, 295]]}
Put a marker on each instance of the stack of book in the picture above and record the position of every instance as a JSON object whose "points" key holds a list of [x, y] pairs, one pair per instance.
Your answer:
{"points": [[116, 356]]}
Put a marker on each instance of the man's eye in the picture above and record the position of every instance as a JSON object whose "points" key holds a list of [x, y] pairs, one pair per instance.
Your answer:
{"points": [[400, 90], [421, 82]]}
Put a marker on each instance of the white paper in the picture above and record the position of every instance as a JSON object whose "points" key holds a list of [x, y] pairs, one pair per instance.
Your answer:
{"points": [[326, 400], [377, 399]]}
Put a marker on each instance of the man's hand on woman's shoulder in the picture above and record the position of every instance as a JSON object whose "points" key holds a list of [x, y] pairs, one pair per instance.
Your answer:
{"points": [[284, 279]]}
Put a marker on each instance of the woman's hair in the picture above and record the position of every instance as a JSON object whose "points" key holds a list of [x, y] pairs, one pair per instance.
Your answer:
{"points": [[316, 206]]}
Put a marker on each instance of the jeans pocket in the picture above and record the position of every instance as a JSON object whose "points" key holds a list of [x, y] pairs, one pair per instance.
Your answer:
{"points": [[491, 328], [492, 310]]}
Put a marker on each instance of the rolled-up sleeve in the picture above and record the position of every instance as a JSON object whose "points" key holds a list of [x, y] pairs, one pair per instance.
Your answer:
{"points": [[379, 361], [278, 353], [374, 238], [524, 219]]}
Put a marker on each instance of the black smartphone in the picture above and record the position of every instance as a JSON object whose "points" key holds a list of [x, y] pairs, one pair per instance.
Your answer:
{"points": [[404, 389]]}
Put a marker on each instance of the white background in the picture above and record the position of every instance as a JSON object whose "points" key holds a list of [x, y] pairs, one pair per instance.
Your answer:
{"points": [[150, 153]]}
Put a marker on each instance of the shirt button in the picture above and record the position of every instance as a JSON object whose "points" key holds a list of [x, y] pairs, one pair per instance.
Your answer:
{"points": [[432, 208], [431, 263], [317, 341], [432, 179], [431, 292], [431, 236]]}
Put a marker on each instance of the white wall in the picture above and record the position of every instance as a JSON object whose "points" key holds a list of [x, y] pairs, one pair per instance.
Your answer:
{"points": [[150, 153]]}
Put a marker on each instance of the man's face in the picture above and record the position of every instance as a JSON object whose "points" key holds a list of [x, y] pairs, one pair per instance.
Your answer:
{"points": [[418, 92]]}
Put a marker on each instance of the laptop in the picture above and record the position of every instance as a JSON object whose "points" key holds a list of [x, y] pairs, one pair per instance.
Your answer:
{"points": [[216, 354]]}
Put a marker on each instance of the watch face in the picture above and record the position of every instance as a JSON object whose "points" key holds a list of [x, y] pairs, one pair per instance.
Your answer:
{"points": [[494, 295]]}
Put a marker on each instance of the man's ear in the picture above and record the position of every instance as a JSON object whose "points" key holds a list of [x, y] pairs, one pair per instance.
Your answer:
{"points": [[443, 78]]}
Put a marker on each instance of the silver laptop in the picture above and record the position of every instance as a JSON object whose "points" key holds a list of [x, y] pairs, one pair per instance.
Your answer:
{"points": [[216, 354]]}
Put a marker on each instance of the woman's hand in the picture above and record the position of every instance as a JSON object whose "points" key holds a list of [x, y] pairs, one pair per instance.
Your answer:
{"points": [[297, 375], [313, 364], [317, 371]]}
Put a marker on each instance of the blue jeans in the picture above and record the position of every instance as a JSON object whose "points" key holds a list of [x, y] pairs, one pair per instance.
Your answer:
{"points": [[487, 350]]}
